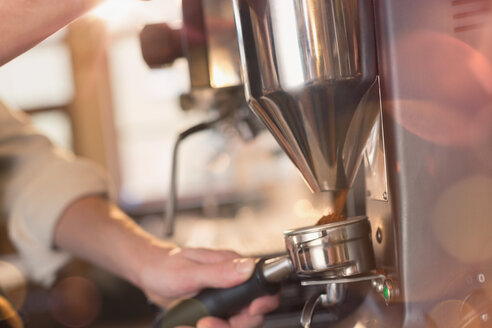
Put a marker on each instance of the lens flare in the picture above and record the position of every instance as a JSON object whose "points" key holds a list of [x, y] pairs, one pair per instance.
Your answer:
{"points": [[453, 313], [13, 284], [75, 302], [461, 219], [451, 110], [115, 12]]}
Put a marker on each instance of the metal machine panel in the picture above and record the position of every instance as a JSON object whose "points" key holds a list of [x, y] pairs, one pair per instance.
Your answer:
{"points": [[435, 69]]}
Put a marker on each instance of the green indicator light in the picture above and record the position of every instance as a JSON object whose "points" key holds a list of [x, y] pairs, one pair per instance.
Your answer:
{"points": [[386, 292]]}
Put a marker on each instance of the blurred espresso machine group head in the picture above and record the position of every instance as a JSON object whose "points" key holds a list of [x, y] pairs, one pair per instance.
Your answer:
{"points": [[389, 97]]}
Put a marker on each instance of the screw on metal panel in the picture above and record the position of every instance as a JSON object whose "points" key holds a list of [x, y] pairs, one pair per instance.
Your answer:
{"points": [[379, 235], [484, 317], [385, 195], [481, 278]]}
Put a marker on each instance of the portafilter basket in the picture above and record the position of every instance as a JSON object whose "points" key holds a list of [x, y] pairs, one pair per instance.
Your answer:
{"points": [[333, 250], [330, 251]]}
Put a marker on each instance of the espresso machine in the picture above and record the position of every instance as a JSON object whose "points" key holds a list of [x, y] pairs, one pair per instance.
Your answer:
{"points": [[403, 91]]}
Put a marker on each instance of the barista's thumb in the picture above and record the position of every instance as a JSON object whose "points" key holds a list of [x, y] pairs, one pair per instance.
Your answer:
{"points": [[225, 274]]}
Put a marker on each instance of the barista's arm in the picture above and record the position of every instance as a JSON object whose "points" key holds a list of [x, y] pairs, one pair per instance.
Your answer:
{"points": [[49, 197], [24, 23], [96, 230]]}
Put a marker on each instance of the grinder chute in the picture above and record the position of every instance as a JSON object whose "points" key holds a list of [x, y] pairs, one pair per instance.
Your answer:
{"points": [[309, 71]]}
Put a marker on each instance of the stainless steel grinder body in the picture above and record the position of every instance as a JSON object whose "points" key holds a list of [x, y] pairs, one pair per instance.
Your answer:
{"points": [[428, 199], [307, 66]]}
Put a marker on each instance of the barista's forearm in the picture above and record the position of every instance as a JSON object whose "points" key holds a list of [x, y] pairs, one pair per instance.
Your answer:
{"points": [[24, 23], [96, 230]]}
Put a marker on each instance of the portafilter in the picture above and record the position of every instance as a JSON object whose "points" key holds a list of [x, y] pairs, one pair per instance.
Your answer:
{"points": [[329, 252]]}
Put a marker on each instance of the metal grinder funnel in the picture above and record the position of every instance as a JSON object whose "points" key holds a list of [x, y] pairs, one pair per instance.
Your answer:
{"points": [[308, 67]]}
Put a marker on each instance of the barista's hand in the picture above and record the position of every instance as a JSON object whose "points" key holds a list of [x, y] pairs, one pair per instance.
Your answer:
{"points": [[98, 231], [176, 273]]}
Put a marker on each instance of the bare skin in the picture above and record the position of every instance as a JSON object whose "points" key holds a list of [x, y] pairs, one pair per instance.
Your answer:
{"points": [[44, 18], [96, 230]]}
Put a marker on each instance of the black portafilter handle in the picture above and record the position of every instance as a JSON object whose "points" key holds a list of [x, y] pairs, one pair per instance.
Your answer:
{"points": [[223, 303]]}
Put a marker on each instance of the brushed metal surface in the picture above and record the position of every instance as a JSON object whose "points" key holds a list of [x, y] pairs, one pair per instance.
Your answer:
{"points": [[307, 67], [332, 250]]}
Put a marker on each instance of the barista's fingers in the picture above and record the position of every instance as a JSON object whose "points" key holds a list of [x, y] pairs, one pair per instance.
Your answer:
{"points": [[245, 320], [242, 320], [165, 302], [224, 274], [155, 299], [210, 322], [264, 305], [202, 255]]}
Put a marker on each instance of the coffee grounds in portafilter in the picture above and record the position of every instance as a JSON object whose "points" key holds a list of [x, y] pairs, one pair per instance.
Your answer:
{"points": [[331, 218], [338, 209]]}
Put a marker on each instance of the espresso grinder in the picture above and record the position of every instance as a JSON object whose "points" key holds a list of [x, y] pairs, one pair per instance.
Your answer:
{"points": [[405, 88]]}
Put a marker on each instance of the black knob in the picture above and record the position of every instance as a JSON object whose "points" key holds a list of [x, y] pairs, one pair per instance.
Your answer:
{"points": [[160, 44]]}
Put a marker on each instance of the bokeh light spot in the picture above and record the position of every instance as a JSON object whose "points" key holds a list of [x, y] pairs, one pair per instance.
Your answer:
{"points": [[75, 302], [461, 219], [13, 284], [453, 313]]}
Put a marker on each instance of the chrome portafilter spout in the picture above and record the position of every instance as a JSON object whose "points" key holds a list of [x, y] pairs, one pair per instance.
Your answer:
{"points": [[335, 294], [333, 255]]}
